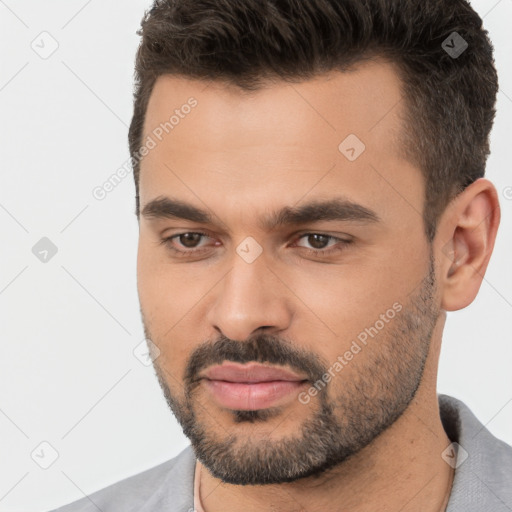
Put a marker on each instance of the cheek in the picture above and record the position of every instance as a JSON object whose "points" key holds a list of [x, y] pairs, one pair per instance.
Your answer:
{"points": [[161, 286], [172, 298], [343, 297], [338, 304]]}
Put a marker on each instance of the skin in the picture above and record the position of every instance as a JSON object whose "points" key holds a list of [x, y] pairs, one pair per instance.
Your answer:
{"points": [[240, 156]]}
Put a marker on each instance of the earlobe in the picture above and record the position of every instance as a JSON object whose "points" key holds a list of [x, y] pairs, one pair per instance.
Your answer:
{"points": [[469, 233]]}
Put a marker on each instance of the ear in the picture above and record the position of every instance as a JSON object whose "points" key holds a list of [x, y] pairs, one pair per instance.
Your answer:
{"points": [[464, 242]]}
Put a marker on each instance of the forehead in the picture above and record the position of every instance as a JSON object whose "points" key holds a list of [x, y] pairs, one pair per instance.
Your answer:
{"points": [[285, 139], [355, 101]]}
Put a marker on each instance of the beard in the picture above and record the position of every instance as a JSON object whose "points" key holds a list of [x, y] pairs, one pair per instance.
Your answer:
{"points": [[382, 387]]}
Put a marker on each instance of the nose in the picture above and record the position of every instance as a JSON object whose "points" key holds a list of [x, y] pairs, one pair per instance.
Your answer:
{"points": [[250, 297]]}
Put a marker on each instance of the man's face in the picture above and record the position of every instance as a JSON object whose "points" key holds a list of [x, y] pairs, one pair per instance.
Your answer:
{"points": [[343, 298]]}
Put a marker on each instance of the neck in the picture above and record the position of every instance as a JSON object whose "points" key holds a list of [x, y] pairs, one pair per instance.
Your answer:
{"points": [[402, 469]]}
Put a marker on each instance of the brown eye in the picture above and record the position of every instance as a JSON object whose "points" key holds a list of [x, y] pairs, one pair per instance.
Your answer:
{"points": [[320, 244], [185, 244], [318, 241], [189, 240]]}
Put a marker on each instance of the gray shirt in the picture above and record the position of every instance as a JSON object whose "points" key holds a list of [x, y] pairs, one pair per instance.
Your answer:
{"points": [[482, 481]]}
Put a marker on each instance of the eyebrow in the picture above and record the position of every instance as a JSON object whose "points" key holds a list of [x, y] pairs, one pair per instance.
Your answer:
{"points": [[336, 209]]}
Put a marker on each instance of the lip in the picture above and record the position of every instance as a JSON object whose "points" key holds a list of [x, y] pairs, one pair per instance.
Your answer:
{"points": [[252, 386], [250, 373]]}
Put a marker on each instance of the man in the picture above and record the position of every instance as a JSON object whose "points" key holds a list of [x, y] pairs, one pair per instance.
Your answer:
{"points": [[311, 202]]}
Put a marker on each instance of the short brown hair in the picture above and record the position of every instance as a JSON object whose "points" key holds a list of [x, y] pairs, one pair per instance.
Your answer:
{"points": [[450, 99]]}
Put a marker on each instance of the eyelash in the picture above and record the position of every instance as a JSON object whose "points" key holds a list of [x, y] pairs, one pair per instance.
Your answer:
{"points": [[311, 252]]}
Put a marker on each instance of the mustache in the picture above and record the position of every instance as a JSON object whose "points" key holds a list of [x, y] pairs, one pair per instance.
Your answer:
{"points": [[263, 348]]}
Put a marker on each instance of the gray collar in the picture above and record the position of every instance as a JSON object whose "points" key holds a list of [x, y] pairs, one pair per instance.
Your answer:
{"points": [[483, 481]]}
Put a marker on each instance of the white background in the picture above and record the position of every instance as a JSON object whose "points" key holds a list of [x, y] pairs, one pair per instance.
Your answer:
{"points": [[68, 327]]}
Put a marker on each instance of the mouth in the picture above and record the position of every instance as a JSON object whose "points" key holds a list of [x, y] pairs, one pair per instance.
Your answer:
{"points": [[252, 386]]}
